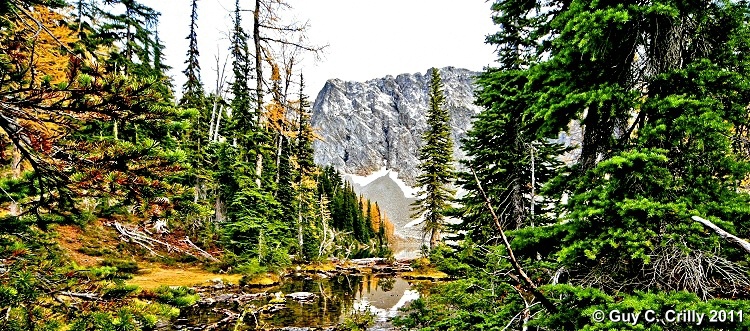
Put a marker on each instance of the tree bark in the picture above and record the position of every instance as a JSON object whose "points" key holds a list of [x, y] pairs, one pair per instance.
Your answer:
{"points": [[218, 210], [434, 238]]}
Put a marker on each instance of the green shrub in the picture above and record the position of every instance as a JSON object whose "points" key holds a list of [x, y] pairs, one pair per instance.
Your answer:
{"points": [[103, 272], [420, 263], [120, 290], [125, 266], [446, 261], [358, 320], [95, 251], [179, 296], [251, 268]]}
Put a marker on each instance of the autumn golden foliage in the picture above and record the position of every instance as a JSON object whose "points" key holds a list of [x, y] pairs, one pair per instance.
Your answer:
{"points": [[37, 49], [388, 226], [378, 219], [44, 36]]}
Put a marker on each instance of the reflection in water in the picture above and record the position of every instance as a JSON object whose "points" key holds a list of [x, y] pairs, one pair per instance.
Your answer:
{"points": [[335, 298]]}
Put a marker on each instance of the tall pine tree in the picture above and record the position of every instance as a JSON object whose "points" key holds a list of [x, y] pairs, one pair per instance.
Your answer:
{"points": [[436, 164], [193, 94]]}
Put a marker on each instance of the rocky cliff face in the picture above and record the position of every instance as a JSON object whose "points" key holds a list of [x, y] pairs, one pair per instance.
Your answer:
{"points": [[379, 123]]}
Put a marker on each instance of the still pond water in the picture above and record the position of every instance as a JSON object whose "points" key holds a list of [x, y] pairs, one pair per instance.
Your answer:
{"points": [[330, 301]]}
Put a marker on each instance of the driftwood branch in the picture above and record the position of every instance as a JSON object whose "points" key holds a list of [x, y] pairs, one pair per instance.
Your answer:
{"points": [[722, 233], [85, 296], [527, 283], [149, 243], [202, 252], [141, 239]]}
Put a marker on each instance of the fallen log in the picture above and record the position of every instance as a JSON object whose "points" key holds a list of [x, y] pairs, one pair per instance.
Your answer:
{"points": [[369, 261]]}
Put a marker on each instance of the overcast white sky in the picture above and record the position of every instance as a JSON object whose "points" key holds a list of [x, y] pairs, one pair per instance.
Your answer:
{"points": [[367, 39]]}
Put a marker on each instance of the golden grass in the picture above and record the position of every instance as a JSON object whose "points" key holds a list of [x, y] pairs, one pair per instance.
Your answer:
{"points": [[427, 274], [153, 278], [319, 266], [267, 279]]}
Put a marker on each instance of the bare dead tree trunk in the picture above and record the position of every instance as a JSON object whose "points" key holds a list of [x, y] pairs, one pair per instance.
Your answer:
{"points": [[16, 163], [258, 168], [324, 217], [279, 147], [300, 234], [218, 123], [213, 132], [533, 184], [258, 87], [218, 209]]}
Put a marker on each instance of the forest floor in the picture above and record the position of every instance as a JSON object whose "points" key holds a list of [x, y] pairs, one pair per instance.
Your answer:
{"points": [[99, 244]]}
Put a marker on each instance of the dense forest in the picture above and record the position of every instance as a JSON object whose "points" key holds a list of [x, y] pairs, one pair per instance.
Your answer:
{"points": [[637, 226], [644, 227], [92, 136]]}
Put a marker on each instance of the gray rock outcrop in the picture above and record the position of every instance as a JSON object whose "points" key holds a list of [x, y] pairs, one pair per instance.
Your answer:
{"points": [[365, 126]]}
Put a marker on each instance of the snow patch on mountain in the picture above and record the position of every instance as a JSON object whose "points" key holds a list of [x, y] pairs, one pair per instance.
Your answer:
{"points": [[408, 191]]}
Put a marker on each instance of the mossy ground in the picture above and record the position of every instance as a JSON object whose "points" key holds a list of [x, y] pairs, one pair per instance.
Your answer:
{"points": [[261, 280]]}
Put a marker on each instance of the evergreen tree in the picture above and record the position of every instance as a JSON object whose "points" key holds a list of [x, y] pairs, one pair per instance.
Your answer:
{"points": [[305, 137], [56, 98], [194, 209], [436, 164], [60, 107], [133, 34], [286, 192], [639, 183], [256, 226], [307, 199], [242, 118], [192, 91], [506, 158], [661, 91]]}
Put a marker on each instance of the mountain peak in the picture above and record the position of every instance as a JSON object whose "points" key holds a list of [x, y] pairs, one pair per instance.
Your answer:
{"points": [[378, 123]]}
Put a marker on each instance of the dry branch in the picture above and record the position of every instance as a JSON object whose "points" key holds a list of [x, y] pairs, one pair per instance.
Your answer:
{"points": [[527, 283], [202, 252], [85, 296], [722, 233], [149, 243]]}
